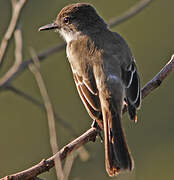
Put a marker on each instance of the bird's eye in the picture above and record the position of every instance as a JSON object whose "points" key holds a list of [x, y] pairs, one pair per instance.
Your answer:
{"points": [[66, 20]]}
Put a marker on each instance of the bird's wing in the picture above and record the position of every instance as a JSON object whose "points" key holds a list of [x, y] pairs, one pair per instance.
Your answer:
{"points": [[89, 95], [131, 80]]}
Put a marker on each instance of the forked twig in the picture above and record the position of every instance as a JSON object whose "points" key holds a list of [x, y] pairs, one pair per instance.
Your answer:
{"points": [[17, 7], [18, 57], [42, 56]]}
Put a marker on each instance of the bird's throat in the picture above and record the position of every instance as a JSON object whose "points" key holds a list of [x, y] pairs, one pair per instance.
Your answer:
{"points": [[69, 35]]}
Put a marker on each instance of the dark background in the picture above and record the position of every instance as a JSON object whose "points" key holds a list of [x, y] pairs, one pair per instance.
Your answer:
{"points": [[24, 138]]}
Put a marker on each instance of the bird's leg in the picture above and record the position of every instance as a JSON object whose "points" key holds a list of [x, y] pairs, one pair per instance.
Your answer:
{"points": [[95, 125]]}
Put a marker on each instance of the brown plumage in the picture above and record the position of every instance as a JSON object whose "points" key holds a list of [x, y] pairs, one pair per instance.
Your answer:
{"points": [[105, 75]]}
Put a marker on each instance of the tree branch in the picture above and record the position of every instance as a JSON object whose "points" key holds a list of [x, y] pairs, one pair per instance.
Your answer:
{"points": [[158, 79], [130, 13], [36, 102], [17, 7], [18, 56], [34, 68], [45, 165], [68, 165], [89, 135], [42, 56]]}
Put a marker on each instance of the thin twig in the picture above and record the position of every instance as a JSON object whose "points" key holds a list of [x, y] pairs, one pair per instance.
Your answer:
{"points": [[158, 79], [18, 56], [68, 165], [13, 2], [17, 7], [89, 135], [36, 102], [45, 165], [42, 56], [83, 153], [34, 68], [24, 95], [129, 13]]}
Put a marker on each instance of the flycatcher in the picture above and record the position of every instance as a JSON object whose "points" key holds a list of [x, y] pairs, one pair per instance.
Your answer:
{"points": [[105, 75]]}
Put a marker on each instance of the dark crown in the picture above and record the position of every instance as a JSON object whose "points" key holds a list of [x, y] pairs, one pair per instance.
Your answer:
{"points": [[82, 15]]}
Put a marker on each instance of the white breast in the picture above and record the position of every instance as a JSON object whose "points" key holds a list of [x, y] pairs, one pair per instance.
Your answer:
{"points": [[69, 36]]}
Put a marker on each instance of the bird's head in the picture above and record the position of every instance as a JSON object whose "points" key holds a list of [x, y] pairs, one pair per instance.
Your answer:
{"points": [[76, 19]]}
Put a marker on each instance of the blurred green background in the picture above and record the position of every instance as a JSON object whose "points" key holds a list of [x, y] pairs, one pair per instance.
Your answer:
{"points": [[24, 138]]}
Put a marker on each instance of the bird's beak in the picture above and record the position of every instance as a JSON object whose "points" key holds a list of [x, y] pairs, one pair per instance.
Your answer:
{"points": [[49, 27]]}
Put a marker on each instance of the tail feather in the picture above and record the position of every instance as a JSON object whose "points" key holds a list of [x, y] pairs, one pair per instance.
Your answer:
{"points": [[117, 154]]}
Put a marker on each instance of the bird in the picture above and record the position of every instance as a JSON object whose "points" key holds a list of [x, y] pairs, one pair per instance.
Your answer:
{"points": [[105, 74]]}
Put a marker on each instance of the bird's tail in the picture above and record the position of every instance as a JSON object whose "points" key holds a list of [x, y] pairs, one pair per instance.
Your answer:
{"points": [[117, 154]]}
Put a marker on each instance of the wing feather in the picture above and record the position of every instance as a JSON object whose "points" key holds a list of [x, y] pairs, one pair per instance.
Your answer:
{"points": [[133, 91], [89, 97]]}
